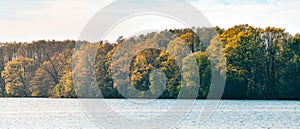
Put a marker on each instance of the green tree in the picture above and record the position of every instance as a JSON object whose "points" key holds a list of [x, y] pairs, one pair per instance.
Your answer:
{"points": [[168, 65], [204, 73], [273, 38], [190, 78], [216, 55], [244, 54], [290, 72], [158, 82]]}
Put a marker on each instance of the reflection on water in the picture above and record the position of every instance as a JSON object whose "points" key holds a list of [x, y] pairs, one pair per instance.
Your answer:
{"points": [[68, 113]]}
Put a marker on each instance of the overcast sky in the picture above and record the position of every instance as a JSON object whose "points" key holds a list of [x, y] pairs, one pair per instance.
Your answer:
{"points": [[27, 20]]}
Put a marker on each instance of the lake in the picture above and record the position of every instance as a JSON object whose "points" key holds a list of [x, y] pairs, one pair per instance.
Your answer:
{"points": [[112, 113]]}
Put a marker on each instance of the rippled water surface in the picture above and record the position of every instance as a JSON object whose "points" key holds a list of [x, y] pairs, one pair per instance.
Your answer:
{"points": [[73, 113]]}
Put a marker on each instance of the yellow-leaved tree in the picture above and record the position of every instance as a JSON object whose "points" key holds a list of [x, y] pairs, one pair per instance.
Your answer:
{"points": [[17, 74]]}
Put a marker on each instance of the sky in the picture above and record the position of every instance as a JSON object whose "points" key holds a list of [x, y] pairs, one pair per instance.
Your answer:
{"points": [[28, 20]]}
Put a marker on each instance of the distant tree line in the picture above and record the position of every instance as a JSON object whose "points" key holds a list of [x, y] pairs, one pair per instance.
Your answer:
{"points": [[261, 63]]}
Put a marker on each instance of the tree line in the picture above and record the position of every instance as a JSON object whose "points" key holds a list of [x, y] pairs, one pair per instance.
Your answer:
{"points": [[261, 63]]}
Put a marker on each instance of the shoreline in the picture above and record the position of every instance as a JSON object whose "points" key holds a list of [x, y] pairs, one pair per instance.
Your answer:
{"points": [[252, 99]]}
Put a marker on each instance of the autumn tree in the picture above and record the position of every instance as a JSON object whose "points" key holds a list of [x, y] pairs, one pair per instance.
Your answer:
{"points": [[41, 84], [102, 72], [257, 63], [85, 82], [65, 87], [17, 74], [244, 54]]}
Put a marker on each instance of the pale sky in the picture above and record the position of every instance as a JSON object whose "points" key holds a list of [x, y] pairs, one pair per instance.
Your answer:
{"points": [[28, 20]]}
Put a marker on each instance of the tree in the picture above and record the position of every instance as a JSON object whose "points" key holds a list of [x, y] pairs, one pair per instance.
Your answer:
{"points": [[85, 82], [206, 35], [102, 72], [166, 64], [41, 84], [2, 64], [290, 73], [65, 87], [192, 40], [273, 38], [257, 62], [17, 74], [204, 68], [216, 55], [158, 82], [176, 51], [190, 78], [49, 73], [244, 53]]}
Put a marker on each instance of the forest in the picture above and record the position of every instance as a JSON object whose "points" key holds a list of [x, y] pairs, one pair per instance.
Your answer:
{"points": [[261, 63]]}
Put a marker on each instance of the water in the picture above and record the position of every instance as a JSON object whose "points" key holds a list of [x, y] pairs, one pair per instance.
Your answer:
{"points": [[74, 113]]}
